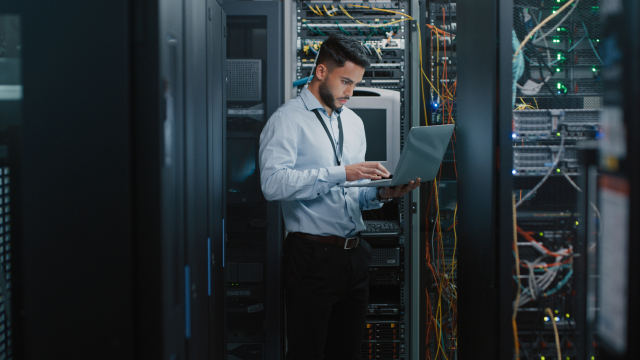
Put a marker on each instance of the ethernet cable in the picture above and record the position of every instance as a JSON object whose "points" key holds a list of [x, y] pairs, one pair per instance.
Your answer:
{"points": [[539, 26], [543, 36]]}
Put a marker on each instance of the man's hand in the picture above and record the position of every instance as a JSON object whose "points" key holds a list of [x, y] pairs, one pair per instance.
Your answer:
{"points": [[366, 170], [387, 193]]}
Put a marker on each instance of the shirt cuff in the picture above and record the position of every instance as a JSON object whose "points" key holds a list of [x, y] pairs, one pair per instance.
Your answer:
{"points": [[372, 195], [337, 175]]}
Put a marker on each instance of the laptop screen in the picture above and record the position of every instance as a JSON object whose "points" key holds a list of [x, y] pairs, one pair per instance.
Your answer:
{"points": [[375, 127]]}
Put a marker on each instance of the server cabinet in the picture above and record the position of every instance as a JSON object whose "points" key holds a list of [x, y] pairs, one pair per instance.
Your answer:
{"points": [[253, 226], [113, 198]]}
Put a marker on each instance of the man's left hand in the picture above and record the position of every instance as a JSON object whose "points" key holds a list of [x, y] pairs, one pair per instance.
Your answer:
{"points": [[387, 193]]}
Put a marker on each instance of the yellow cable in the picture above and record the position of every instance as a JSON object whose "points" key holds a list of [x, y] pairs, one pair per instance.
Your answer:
{"points": [[555, 330], [455, 241], [385, 10], [326, 11], [319, 11], [424, 101], [314, 10], [438, 67], [535, 29]]}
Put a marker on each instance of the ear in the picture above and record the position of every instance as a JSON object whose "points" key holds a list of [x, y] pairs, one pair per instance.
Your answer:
{"points": [[321, 71]]}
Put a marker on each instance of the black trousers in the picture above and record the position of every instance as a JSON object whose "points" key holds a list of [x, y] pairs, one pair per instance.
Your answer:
{"points": [[326, 296]]}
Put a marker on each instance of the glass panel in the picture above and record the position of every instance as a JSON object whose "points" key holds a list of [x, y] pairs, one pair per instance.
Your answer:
{"points": [[246, 303], [10, 118]]}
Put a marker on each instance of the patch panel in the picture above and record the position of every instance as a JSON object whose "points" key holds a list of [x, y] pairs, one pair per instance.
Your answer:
{"points": [[382, 35]]}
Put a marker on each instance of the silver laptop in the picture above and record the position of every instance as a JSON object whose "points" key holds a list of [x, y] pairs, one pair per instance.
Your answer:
{"points": [[421, 157]]}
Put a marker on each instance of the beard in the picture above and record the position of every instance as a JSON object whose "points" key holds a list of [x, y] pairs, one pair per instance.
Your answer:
{"points": [[327, 96]]}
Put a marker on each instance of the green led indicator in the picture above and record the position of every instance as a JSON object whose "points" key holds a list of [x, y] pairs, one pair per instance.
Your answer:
{"points": [[557, 170], [556, 311], [542, 357], [594, 69], [558, 70], [567, 316], [546, 318], [577, 223], [559, 85], [558, 133], [541, 234]]}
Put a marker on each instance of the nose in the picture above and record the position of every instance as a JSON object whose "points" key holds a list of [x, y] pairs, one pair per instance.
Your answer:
{"points": [[349, 91]]}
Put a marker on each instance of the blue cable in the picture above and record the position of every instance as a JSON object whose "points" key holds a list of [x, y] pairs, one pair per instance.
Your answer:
{"points": [[591, 42], [562, 283], [517, 67], [301, 81]]}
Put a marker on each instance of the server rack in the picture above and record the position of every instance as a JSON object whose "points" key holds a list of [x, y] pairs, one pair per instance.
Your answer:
{"points": [[438, 230], [558, 107], [253, 231]]}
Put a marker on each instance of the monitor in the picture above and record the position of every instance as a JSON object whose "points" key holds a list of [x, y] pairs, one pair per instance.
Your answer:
{"points": [[379, 110]]}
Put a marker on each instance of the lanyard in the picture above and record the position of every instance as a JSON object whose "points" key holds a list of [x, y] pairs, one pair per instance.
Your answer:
{"points": [[340, 137]]}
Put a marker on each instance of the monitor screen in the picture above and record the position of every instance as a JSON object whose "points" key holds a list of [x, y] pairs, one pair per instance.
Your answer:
{"points": [[375, 127], [242, 174]]}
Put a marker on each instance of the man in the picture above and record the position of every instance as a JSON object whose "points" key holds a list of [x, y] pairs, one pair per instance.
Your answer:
{"points": [[310, 146]]}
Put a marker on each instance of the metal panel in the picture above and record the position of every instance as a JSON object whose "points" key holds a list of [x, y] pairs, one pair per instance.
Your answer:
{"points": [[244, 80], [196, 184], [216, 63], [484, 189]]}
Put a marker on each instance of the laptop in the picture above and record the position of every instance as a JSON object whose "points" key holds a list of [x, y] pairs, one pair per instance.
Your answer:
{"points": [[421, 157]]}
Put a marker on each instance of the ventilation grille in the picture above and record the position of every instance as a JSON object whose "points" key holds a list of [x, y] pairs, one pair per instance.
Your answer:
{"points": [[386, 257], [244, 80]]}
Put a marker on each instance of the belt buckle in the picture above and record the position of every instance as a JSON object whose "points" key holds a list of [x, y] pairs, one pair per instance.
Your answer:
{"points": [[346, 241]]}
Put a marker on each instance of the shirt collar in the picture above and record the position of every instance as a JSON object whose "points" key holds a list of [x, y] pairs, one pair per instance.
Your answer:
{"points": [[312, 103]]}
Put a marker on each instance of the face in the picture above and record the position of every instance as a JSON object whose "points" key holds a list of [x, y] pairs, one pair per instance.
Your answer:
{"points": [[337, 86]]}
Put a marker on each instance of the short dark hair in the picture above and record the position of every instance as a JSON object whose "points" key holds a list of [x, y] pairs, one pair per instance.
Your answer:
{"points": [[338, 49]]}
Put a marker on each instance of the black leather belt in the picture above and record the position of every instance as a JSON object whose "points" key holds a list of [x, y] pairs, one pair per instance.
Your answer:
{"points": [[345, 243]]}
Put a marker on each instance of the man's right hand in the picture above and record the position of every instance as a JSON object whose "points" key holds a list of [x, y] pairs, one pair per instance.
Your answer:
{"points": [[366, 170]]}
